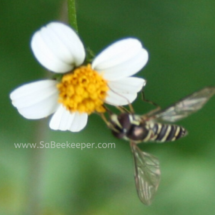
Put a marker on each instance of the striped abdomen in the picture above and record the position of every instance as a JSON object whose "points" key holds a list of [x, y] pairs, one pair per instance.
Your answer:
{"points": [[163, 132]]}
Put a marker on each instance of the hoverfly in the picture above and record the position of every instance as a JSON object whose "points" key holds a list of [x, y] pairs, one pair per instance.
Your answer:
{"points": [[152, 127]]}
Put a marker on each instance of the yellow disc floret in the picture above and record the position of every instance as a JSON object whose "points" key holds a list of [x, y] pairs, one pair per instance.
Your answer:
{"points": [[84, 90]]}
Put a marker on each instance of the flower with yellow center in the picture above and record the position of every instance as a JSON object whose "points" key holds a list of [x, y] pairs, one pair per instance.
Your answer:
{"points": [[84, 88]]}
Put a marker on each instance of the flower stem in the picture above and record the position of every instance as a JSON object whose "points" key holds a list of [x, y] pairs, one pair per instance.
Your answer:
{"points": [[72, 15]]}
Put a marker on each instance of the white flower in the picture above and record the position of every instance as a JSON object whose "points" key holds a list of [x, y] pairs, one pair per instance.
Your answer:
{"points": [[83, 88]]}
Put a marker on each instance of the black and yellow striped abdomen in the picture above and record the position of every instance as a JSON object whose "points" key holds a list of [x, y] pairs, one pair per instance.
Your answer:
{"points": [[159, 132]]}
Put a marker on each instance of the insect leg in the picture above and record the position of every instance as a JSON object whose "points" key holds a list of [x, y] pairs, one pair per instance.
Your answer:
{"points": [[105, 120], [148, 101], [122, 109], [108, 110], [131, 108]]}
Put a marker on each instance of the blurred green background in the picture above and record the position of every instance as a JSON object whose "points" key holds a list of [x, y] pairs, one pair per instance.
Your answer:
{"points": [[180, 37]]}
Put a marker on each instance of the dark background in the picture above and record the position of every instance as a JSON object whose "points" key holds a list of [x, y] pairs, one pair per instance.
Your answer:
{"points": [[180, 37]]}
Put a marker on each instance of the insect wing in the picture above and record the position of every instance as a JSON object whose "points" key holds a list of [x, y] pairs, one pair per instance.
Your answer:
{"points": [[147, 174], [186, 106]]}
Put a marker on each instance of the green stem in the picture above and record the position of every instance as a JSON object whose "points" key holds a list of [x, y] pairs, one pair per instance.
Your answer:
{"points": [[72, 15]]}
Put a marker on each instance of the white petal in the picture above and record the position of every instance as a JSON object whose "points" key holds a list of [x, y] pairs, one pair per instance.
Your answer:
{"points": [[79, 122], [64, 120], [122, 59], [36, 100], [118, 99], [127, 85], [57, 47], [60, 118]]}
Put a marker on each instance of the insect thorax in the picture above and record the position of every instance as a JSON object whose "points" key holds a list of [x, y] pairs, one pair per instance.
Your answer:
{"points": [[128, 126], [133, 127]]}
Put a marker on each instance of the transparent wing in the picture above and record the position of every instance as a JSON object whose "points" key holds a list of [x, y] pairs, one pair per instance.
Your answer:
{"points": [[186, 106], [147, 174]]}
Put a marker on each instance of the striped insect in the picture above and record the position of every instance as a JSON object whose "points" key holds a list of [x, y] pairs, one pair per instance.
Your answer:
{"points": [[151, 127]]}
